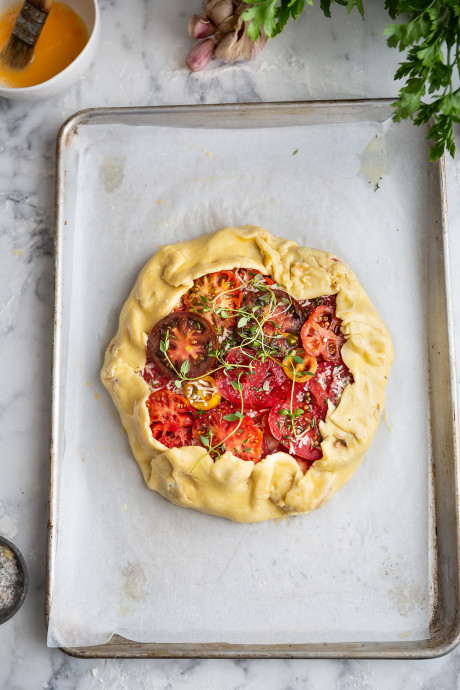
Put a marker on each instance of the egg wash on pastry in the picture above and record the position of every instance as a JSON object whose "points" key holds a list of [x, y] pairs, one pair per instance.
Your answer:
{"points": [[249, 374]]}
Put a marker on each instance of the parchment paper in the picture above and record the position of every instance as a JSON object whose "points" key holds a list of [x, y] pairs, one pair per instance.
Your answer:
{"points": [[127, 561]]}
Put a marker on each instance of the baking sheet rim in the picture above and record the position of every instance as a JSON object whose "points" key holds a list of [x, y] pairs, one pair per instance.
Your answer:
{"points": [[429, 648]]}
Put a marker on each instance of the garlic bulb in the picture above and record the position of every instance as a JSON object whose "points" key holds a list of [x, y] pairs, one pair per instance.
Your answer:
{"points": [[222, 19], [237, 45]]}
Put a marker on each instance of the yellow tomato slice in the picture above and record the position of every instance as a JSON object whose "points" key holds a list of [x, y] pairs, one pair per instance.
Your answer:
{"points": [[203, 394], [299, 366]]}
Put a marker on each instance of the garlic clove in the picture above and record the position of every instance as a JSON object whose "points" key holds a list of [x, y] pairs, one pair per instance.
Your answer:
{"points": [[200, 55], [237, 45], [228, 24], [200, 27], [225, 49], [219, 11]]}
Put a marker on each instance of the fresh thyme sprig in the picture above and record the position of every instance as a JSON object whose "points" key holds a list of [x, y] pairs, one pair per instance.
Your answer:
{"points": [[291, 413], [232, 417], [292, 416], [252, 325], [254, 334], [164, 347]]}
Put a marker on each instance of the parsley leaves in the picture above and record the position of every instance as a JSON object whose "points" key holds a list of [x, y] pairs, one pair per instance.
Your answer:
{"points": [[432, 36], [273, 15], [429, 32]]}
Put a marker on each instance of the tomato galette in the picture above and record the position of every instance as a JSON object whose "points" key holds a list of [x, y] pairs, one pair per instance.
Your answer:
{"points": [[249, 374]]}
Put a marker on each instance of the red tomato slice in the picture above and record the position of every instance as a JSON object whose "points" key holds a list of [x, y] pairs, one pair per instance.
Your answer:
{"points": [[329, 382], [270, 444], [180, 306], [264, 384], [304, 398], [221, 289], [213, 425], [247, 274], [170, 435], [271, 387], [300, 435], [171, 418], [325, 301], [321, 334], [245, 365], [189, 338], [153, 376], [244, 441]]}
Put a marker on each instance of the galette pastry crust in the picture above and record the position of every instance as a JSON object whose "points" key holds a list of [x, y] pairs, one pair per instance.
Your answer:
{"points": [[230, 487]]}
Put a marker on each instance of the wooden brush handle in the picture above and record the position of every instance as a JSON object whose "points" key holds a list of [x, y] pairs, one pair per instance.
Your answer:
{"points": [[31, 19], [43, 5]]}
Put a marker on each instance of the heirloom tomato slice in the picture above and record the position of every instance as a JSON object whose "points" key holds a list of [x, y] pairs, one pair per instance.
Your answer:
{"points": [[262, 383], [303, 398], [325, 301], [248, 274], [288, 315], [180, 337], [153, 376], [329, 382], [221, 289], [246, 441], [213, 426], [270, 388], [299, 366], [202, 394], [243, 440], [278, 314], [171, 418], [244, 369], [321, 336], [271, 445], [298, 431]]}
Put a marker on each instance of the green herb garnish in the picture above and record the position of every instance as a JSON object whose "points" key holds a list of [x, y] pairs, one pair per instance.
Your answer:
{"points": [[429, 31]]}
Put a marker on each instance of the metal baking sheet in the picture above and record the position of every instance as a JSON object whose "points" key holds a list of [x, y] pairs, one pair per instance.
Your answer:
{"points": [[374, 573]]}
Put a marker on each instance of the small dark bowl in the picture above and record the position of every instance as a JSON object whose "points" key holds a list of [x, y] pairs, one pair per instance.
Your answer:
{"points": [[23, 584]]}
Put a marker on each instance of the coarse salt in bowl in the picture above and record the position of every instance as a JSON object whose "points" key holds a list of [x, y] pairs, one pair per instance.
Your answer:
{"points": [[14, 580]]}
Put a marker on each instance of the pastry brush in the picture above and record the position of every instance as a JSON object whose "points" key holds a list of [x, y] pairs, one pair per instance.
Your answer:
{"points": [[19, 49]]}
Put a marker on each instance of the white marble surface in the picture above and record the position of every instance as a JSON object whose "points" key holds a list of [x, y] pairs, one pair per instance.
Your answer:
{"points": [[139, 62]]}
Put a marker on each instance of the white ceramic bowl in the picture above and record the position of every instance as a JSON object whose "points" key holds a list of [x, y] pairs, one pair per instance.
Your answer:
{"points": [[88, 10]]}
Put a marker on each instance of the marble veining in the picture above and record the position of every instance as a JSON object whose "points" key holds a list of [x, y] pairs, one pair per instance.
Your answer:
{"points": [[140, 62]]}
